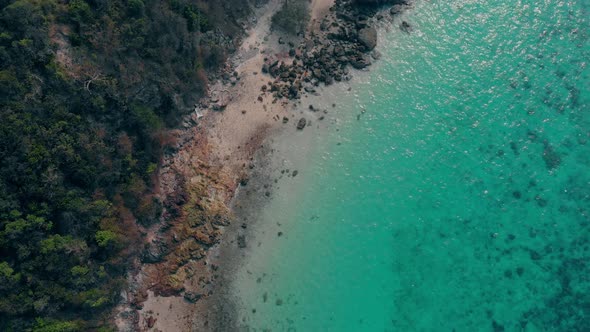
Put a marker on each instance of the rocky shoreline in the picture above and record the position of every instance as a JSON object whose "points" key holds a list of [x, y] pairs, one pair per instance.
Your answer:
{"points": [[178, 285], [346, 38]]}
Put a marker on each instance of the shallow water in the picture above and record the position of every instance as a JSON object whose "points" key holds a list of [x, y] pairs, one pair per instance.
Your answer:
{"points": [[458, 201]]}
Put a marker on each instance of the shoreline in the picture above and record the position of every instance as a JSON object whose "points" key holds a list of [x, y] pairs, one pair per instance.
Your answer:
{"points": [[229, 142]]}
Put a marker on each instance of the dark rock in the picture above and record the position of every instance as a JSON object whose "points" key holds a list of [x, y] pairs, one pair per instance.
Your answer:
{"points": [[293, 92], [285, 119], [551, 157], [359, 63], [154, 252], [242, 241], [329, 80], [317, 73], [396, 9], [151, 321], [405, 27], [362, 23], [243, 181], [378, 2], [345, 17], [541, 202], [535, 255], [192, 297], [301, 123], [376, 55], [497, 327]]}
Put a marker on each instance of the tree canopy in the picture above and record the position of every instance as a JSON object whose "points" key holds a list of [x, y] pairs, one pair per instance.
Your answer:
{"points": [[87, 91]]}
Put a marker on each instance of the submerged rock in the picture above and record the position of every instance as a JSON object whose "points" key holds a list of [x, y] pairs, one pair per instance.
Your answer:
{"points": [[551, 157], [242, 241], [405, 27]]}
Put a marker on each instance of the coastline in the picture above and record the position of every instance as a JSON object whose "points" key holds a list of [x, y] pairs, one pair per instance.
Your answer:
{"points": [[229, 155]]}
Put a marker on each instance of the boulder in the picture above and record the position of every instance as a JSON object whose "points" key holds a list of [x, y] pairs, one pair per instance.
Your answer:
{"points": [[368, 37], [301, 123]]}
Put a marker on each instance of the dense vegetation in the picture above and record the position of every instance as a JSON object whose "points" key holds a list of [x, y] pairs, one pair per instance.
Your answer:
{"points": [[292, 17], [87, 90]]}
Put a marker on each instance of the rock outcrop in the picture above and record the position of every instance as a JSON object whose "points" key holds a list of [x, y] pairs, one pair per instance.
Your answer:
{"points": [[346, 38], [368, 37]]}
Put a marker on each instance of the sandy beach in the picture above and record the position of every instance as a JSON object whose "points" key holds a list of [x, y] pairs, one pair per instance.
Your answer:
{"points": [[230, 141], [232, 137]]}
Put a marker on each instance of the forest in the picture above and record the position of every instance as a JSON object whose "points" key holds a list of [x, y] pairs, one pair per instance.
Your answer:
{"points": [[88, 90]]}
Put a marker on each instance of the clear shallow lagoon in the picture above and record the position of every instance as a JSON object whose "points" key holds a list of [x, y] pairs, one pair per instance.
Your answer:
{"points": [[459, 201]]}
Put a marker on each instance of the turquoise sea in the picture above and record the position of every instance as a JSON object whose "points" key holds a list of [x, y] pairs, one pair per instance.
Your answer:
{"points": [[459, 200]]}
